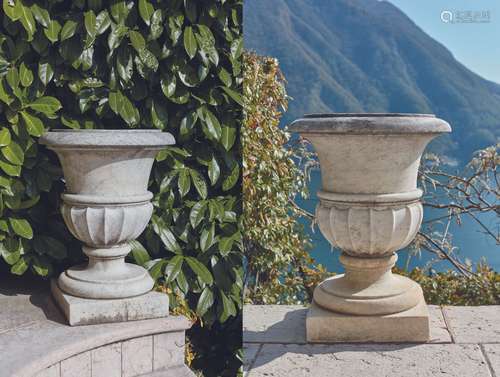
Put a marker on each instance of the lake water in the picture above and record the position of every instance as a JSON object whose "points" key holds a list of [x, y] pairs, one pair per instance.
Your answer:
{"points": [[471, 243]]}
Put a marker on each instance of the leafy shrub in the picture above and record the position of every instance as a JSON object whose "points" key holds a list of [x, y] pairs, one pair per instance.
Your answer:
{"points": [[174, 66], [452, 288], [278, 264]]}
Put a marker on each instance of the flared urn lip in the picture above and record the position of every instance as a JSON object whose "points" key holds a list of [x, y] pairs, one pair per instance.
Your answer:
{"points": [[111, 138], [370, 124]]}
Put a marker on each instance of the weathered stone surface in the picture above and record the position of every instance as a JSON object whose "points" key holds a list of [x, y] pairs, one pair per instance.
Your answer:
{"points": [[366, 124], [149, 138], [439, 331], [429, 360], [44, 335], [131, 358], [19, 307], [250, 352], [367, 227], [83, 311], [474, 324], [52, 371], [286, 324], [372, 153], [106, 205], [107, 361], [168, 350], [324, 326], [492, 353], [440, 357], [81, 368], [77, 366], [274, 324], [137, 356], [368, 287], [369, 207], [178, 371]]}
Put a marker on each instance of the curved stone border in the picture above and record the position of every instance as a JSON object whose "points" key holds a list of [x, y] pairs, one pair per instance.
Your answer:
{"points": [[153, 355], [34, 337], [49, 345]]}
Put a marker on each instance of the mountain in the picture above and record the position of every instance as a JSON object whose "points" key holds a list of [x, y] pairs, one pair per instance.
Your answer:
{"points": [[368, 56]]}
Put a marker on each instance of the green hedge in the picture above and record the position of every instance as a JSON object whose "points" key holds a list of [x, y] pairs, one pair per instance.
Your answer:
{"points": [[452, 288], [173, 65]]}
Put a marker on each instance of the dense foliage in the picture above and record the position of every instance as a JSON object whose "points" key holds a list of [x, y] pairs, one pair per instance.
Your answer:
{"points": [[278, 264], [453, 288], [174, 66]]}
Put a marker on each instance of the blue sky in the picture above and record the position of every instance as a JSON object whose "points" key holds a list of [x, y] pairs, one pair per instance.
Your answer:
{"points": [[476, 45]]}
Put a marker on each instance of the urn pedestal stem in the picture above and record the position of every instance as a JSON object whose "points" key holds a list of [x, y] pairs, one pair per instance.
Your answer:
{"points": [[106, 205], [369, 207]]}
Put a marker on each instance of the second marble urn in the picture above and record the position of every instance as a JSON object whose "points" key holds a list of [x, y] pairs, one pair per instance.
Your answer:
{"points": [[106, 204], [369, 207]]}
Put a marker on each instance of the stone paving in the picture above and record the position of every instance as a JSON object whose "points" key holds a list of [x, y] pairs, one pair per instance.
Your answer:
{"points": [[465, 341]]}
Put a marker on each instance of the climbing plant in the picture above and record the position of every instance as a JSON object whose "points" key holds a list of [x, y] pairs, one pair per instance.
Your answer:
{"points": [[279, 267], [173, 65]]}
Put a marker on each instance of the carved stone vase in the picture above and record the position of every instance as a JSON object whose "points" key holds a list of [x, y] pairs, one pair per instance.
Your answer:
{"points": [[106, 204], [369, 207]]}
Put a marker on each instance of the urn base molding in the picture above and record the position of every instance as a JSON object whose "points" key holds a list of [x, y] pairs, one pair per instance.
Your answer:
{"points": [[409, 326], [85, 311], [368, 304], [106, 276], [84, 282], [368, 287]]}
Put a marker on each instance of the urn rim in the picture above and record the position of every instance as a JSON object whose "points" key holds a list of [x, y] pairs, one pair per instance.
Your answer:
{"points": [[368, 115], [90, 138], [370, 124]]}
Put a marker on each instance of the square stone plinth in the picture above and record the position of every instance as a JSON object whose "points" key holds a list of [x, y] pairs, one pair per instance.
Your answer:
{"points": [[323, 326], [83, 311]]}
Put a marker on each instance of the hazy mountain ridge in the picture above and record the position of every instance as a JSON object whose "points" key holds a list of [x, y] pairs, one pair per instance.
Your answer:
{"points": [[366, 55]]}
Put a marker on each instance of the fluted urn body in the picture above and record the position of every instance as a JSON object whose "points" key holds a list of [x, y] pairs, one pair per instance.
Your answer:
{"points": [[106, 205], [369, 204]]}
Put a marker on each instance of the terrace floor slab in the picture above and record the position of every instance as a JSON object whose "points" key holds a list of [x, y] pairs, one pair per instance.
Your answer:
{"points": [[473, 324], [464, 341]]}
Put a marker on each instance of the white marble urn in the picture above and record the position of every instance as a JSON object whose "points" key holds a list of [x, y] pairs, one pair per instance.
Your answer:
{"points": [[369, 207], [106, 204]]}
